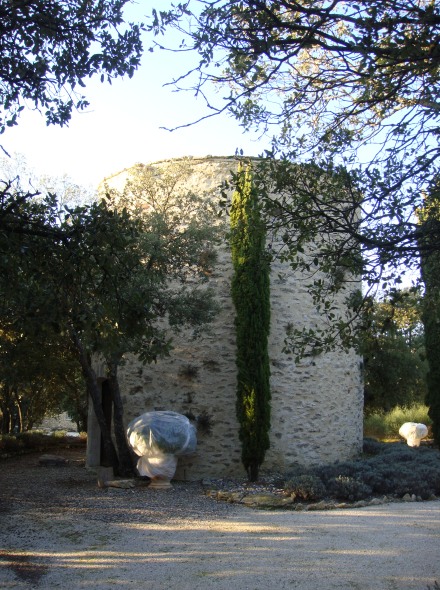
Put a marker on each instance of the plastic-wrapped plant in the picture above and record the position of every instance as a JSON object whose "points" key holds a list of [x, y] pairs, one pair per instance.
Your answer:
{"points": [[159, 438]]}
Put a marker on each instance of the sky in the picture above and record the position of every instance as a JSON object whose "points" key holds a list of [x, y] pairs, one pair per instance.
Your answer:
{"points": [[123, 124]]}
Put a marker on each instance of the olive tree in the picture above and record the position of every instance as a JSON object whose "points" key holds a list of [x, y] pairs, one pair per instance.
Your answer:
{"points": [[108, 281]]}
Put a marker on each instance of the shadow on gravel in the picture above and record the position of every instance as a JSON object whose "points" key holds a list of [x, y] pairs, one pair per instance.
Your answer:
{"points": [[24, 567]]}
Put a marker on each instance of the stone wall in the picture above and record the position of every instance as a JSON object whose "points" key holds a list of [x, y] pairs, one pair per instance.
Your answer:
{"points": [[316, 405]]}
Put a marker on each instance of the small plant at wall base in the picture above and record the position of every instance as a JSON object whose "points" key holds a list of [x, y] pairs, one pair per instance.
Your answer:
{"points": [[189, 372], [251, 297], [204, 423]]}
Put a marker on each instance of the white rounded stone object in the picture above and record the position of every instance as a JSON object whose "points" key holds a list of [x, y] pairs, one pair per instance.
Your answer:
{"points": [[413, 433]]}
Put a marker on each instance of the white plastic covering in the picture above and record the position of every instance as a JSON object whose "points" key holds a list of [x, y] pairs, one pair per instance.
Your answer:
{"points": [[162, 466], [158, 438], [413, 433]]}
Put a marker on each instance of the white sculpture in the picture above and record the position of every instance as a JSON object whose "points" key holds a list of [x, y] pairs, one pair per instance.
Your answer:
{"points": [[413, 433], [159, 438]]}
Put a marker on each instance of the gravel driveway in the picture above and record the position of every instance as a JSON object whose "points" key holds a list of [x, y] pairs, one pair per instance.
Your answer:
{"points": [[59, 530]]}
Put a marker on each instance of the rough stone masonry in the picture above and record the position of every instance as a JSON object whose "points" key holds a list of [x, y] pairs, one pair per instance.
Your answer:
{"points": [[316, 404]]}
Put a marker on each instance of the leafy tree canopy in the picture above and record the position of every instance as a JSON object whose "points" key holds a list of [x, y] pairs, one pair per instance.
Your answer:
{"points": [[393, 349], [49, 48], [350, 88]]}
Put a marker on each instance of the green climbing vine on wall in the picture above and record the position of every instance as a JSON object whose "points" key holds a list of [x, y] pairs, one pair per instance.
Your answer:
{"points": [[251, 297]]}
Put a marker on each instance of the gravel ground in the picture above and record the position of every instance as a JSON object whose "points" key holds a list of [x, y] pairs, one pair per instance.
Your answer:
{"points": [[59, 529]]}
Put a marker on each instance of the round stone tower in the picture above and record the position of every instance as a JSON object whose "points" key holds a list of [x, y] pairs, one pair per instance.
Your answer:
{"points": [[317, 404]]}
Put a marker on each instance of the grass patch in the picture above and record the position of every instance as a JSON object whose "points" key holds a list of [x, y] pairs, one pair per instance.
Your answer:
{"points": [[385, 425]]}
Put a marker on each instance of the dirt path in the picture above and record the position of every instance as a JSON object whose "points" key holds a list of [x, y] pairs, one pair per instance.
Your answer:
{"points": [[59, 530]]}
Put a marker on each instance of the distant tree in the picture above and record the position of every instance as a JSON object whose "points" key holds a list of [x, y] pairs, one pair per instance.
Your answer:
{"points": [[430, 216], [39, 377], [251, 296], [393, 351]]}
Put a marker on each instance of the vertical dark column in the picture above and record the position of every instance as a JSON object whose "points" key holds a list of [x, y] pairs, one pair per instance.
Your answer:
{"points": [[107, 406]]}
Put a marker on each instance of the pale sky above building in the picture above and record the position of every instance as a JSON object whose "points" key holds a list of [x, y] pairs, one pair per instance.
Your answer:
{"points": [[123, 124]]}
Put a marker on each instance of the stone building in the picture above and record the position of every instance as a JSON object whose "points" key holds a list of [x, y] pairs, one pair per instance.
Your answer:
{"points": [[317, 405]]}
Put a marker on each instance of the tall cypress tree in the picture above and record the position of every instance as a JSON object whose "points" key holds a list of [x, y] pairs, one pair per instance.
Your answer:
{"points": [[251, 297], [430, 267]]}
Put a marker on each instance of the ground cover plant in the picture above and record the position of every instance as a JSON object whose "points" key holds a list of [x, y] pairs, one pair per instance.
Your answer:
{"points": [[391, 469]]}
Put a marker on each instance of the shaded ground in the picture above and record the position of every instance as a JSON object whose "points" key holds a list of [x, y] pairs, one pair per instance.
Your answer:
{"points": [[58, 529]]}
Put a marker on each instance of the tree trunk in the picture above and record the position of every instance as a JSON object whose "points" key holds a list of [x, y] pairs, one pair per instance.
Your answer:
{"points": [[11, 422], [19, 423], [125, 457], [17, 402], [5, 424], [253, 471], [7, 411], [95, 395]]}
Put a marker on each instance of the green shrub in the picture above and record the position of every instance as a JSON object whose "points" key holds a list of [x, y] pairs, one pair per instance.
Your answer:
{"points": [[399, 415], [391, 469], [344, 487], [374, 425], [59, 433], [305, 487], [36, 441], [372, 446], [10, 444]]}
